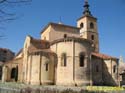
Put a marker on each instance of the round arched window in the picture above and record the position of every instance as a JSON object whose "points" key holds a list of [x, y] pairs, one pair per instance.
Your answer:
{"points": [[91, 25], [81, 25], [65, 35]]}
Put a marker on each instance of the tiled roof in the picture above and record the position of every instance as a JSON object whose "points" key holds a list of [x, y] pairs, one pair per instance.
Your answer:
{"points": [[103, 56], [43, 52], [37, 44], [3, 49], [59, 25]]}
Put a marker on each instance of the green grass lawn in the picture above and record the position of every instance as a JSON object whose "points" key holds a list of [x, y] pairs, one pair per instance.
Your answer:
{"points": [[105, 88]]}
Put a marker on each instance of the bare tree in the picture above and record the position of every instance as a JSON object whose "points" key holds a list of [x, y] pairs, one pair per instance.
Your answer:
{"points": [[6, 13], [5, 4]]}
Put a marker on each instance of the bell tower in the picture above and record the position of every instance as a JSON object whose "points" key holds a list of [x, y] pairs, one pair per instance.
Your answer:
{"points": [[88, 26]]}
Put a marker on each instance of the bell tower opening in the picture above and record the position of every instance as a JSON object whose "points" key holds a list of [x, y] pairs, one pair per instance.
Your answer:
{"points": [[91, 25], [81, 25], [88, 26]]}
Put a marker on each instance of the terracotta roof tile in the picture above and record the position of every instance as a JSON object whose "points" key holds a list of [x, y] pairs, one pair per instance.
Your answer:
{"points": [[3, 49], [103, 56], [43, 52], [59, 25], [37, 44]]}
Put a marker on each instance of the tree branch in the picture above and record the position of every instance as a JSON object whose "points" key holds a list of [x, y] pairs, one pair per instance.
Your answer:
{"points": [[6, 5], [16, 1], [5, 13], [2, 1]]}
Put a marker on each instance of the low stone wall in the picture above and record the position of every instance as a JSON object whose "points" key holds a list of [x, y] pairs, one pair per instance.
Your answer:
{"points": [[30, 90], [20, 88]]}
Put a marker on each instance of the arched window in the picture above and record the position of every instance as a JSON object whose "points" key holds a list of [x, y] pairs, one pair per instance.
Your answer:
{"points": [[63, 59], [91, 25], [81, 59], [114, 69], [13, 73], [92, 37], [81, 25], [47, 66], [65, 35]]}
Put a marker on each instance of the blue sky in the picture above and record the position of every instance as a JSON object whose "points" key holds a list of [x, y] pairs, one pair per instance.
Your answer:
{"points": [[34, 16]]}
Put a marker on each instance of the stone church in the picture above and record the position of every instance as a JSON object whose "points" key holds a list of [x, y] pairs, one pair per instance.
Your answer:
{"points": [[64, 55]]}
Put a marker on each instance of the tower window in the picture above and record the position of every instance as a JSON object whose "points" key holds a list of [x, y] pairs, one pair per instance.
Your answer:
{"points": [[63, 60], [114, 69], [81, 59], [81, 25], [92, 37], [91, 25]]}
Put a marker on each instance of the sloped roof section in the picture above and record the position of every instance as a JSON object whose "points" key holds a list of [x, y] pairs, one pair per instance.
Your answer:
{"points": [[103, 56], [42, 51], [60, 25], [37, 44]]}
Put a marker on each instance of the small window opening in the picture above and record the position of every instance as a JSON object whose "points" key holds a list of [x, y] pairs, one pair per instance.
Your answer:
{"points": [[65, 35], [81, 60], [92, 37], [81, 25], [47, 66], [64, 60], [114, 69], [91, 25]]}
